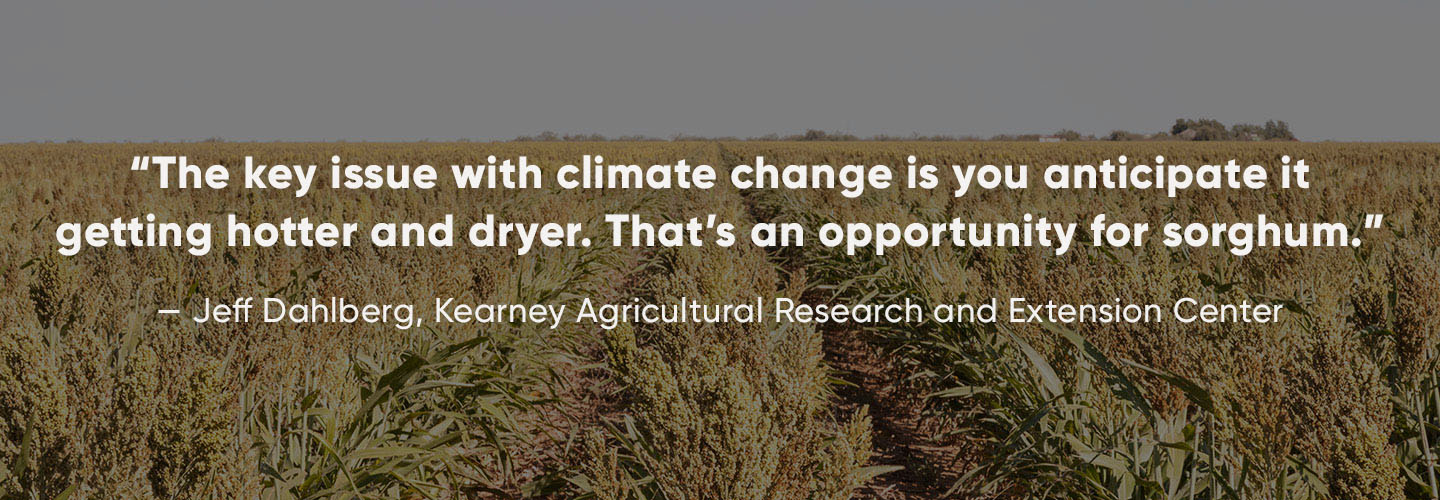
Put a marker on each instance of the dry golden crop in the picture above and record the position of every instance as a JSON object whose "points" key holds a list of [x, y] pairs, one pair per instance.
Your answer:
{"points": [[1302, 407], [102, 398]]}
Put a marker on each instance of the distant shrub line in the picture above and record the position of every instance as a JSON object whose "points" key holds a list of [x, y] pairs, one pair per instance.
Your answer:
{"points": [[1184, 129]]}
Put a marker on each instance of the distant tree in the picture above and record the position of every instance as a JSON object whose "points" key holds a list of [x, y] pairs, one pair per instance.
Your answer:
{"points": [[1246, 132], [1123, 135], [1068, 135], [1212, 130], [1277, 130], [1204, 129], [1016, 137], [548, 135], [584, 138], [821, 135], [1181, 125]]}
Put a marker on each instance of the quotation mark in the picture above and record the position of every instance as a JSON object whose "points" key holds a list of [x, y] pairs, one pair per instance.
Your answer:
{"points": [[1372, 221], [140, 163]]}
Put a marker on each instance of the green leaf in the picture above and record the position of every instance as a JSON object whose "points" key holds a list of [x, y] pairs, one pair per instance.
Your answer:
{"points": [[1193, 391]]}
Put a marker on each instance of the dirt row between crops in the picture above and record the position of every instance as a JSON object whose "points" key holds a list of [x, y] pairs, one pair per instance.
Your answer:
{"points": [[869, 379]]}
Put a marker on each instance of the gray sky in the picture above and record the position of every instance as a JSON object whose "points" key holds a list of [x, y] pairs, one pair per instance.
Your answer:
{"points": [[410, 70]]}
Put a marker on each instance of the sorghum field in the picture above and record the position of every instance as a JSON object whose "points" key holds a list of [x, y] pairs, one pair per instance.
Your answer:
{"points": [[102, 398]]}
